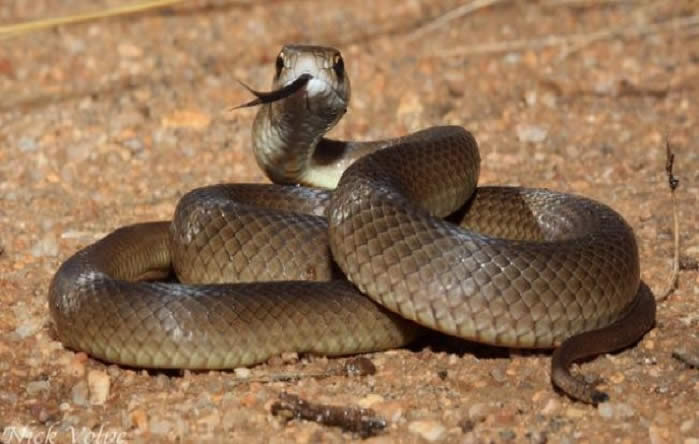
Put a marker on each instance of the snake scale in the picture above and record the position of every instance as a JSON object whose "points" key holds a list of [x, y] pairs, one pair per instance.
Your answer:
{"points": [[264, 269]]}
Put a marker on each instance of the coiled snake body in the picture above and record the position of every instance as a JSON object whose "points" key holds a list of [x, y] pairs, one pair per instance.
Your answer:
{"points": [[522, 268]]}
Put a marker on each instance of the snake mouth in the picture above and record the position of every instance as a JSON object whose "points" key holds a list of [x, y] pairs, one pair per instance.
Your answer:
{"points": [[314, 85], [320, 95]]}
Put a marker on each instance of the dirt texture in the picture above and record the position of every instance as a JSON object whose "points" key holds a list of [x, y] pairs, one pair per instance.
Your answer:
{"points": [[108, 123]]}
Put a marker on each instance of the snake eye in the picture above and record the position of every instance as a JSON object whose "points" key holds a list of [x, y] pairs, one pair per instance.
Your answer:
{"points": [[279, 63], [338, 66]]}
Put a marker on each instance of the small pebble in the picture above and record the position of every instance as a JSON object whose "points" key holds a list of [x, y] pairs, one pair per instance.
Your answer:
{"points": [[290, 357], [410, 109], [658, 435], [431, 431], [27, 144], [531, 97], [687, 426], [27, 329], [606, 87], [662, 418], [76, 365], [549, 99], [193, 119], [538, 437], [129, 50], [242, 372], [573, 412], [359, 367], [74, 45], [617, 378], [471, 438], [498, 374], [8, 397], [98, 384], [531, 133], [391, 410], [79, 393], [369, 400], [80, 151], [624, 410], [211, 420], [507, 435], [47, 246], [160, 427], [139, 419], [114, 371], [134, 145], [616, 410], [512, 58], [235, 418], [478, 411], [552, 406], [35, 387], [605, 409], [162, 382]]}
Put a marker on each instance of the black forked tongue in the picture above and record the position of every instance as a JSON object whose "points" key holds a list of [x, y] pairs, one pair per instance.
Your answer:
{"points": [[262, 97]]}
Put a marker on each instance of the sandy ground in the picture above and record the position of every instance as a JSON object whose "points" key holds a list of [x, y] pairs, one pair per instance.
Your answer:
{"points": [[109, 123]]}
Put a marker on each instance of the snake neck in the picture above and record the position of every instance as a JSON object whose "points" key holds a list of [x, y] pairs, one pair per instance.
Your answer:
{"points": [[290, 147], [285, 137]]}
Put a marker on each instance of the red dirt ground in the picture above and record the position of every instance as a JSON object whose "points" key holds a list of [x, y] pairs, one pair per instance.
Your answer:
{"points": [[108, 123]]}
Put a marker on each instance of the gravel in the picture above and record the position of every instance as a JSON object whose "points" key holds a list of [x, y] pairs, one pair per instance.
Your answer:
{"points": [[108, 123], [431, 431]]}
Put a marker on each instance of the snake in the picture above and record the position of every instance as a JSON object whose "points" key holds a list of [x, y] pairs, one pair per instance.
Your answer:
{"points": [[355, 247]]}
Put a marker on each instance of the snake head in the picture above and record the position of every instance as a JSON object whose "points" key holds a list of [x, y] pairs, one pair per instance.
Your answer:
{"points": [[310, 93], [313, 75], [326, 66]]}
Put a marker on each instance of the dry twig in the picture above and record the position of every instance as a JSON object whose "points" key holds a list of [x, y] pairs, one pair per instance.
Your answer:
{"points": [[585, 3], [673, 183], [363, 422], [575, 40], [453, 14], [19, 28]]}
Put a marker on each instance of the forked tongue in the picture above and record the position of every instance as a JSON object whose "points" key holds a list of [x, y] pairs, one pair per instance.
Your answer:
{"points": [[263, 97]]}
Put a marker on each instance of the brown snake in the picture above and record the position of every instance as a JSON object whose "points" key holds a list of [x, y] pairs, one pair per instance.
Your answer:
{"points": [[519, 267]]}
